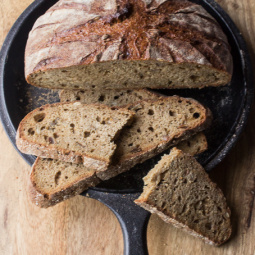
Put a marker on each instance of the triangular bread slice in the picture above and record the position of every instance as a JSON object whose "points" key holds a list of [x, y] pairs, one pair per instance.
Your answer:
{"points": [[73, 132], [179, 191], [177, 118]]}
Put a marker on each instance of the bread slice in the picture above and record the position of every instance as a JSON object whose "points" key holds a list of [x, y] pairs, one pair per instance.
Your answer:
{"points": [[99, 45], [128, 157], [53, 181], [179, 191], [73, 132], [108, 97], [157, 126]]}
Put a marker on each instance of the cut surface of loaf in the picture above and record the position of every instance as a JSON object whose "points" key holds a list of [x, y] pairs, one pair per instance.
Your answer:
{"points": [[53, 181], [123, 44], [73, 132], [179, 191], [108, 97], [168, 120]]}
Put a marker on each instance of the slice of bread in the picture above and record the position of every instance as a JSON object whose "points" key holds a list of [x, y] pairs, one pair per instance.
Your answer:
{"points": [[157, 126], [53, 181], [179, 191], [108, 97], [180, 124], [73, 132]]}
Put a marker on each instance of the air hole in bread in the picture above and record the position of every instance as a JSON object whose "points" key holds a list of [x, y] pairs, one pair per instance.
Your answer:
{"points": [[196, 115], [45, 138], [55, 135], [51, 140], [101, 98], [57, 177], [66, 177], [46, 196], [151, 129], [78, 98], [116, 97], [131, 144], [39, 117], [171, 113], [72, 125], [31, 131], [63, 85], [194, 78], [98, 119], [86, 134], [150, 112], [93, 86], [76, 86], [196, 221], [208, 226], [139, 130], [170, 82]]}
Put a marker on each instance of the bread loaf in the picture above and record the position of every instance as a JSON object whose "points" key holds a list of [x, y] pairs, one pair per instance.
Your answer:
{"points": [[73, 132], [179, 191], [123, 44]]}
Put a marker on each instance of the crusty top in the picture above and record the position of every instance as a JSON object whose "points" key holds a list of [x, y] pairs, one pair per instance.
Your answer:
{"points": [[79, 32]]}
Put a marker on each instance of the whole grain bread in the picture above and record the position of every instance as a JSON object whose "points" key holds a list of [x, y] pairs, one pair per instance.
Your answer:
{"points": [[179, 191], [157, 125], [53, 181], [168, 120], [123, 44], [73, 132]]}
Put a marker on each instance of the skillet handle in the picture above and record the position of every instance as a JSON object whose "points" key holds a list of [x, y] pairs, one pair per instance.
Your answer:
{"points": [[132, 218]]}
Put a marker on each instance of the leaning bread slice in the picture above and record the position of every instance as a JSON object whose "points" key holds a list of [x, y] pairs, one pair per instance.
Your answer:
{"points": [[178, 125], [157, 126], [108, 97], [52, 181], [179, 191], [73, 132]]}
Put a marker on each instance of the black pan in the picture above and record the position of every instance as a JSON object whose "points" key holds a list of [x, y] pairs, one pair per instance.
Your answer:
{"points": [[230, 106]]}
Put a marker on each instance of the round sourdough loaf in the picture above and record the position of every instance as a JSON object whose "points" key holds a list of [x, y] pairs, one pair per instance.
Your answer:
{"points": [[120, 44]]}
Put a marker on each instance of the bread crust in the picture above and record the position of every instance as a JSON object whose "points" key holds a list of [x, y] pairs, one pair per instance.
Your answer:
{"points": [[91, 32]]}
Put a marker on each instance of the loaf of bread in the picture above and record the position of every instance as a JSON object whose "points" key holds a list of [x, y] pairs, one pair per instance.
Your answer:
{"points": [[73, 132], [157, 125], [123, 44], [179, 191]]}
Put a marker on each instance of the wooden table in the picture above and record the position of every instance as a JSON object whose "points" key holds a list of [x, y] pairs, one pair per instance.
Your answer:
{"points": [[85, 226]]}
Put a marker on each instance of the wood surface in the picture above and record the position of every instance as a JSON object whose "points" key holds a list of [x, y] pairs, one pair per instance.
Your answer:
{"points": [[85, 226]]}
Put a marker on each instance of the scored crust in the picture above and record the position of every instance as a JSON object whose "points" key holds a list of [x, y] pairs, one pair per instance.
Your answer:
{"points": [[81, 33]]}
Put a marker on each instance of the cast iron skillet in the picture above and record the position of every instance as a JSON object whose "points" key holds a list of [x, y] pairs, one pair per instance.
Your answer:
{"points": [[230, 106]]}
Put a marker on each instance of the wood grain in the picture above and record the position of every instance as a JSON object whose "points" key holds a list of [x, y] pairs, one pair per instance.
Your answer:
{"points": [[85, 226]]}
